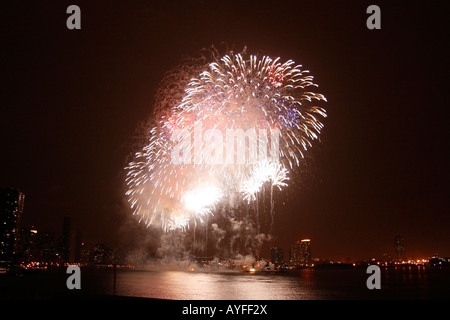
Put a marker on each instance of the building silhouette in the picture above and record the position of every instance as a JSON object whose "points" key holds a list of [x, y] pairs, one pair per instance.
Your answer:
{"points": [[27, 248], [36, 246], [101, 254], [46, 242], [64, 240], [78, 246], [11, 211], [276, 255], [399, 248]]}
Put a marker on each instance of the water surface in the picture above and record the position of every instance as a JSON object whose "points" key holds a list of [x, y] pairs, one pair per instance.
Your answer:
{"points": [[306, 284]]}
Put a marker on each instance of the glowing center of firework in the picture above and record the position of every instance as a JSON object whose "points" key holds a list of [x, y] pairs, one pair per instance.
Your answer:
{"points": [[201, 198]]}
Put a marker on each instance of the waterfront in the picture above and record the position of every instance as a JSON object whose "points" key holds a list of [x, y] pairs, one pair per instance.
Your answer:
{"points": [[412, 283]]}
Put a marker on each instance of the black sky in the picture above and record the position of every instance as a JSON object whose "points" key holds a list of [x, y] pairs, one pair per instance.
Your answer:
{"points": [[72, 100]]}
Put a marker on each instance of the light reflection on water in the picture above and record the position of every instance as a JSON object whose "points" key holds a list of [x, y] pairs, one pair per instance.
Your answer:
{"points": [[180, 285], [306, 284]]}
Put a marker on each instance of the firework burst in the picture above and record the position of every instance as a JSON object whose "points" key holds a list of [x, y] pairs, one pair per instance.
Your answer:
{"points": [[227, 127]]}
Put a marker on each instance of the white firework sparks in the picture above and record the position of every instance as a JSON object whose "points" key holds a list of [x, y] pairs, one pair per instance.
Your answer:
{"points": [[253, 96]]}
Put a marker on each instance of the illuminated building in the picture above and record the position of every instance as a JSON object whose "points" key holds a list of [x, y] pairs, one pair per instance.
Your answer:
{"points": [[300, 253], [399, 248], [294, 254], [26, 246], [11, 210], [46, 242], [101, 254], [37, 246], [276, 255], [305, 252]]}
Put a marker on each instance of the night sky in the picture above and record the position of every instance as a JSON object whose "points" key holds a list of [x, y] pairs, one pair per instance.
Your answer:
{"points": [[73, 99]]}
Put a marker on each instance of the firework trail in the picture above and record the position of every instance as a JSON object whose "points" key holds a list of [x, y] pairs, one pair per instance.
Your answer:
{"points": [[224, 127]]}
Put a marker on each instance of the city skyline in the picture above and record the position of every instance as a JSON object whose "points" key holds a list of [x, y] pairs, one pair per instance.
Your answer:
{"points": [[36, 248], [66, 244], [76, 99]]}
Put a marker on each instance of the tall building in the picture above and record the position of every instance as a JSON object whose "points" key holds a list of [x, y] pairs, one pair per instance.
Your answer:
{"points": [[11, 210], [46, 243], [85, 253], [27, 249], [399, 248], [300, 253], [305, 252], [276, 255], [294, 254], [64, 240], [78, 246]]}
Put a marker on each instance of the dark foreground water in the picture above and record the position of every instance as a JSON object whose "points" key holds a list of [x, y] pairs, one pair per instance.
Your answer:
{"points": [[309, 284]]}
